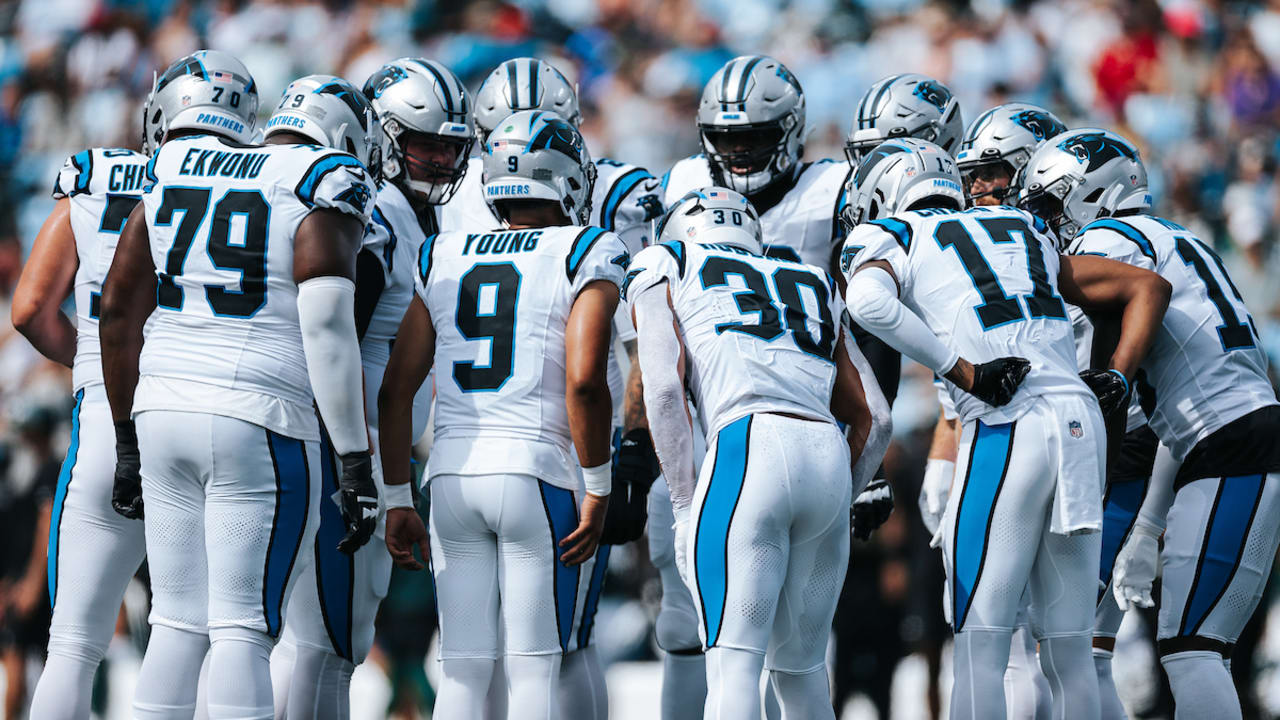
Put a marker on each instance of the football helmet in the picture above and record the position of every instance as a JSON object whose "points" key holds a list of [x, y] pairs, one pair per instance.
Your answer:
{"points": [[427, 126], [1080, 176], [751, 120], [713, 215], [524, 84], [333, 113], [897, 175], [1003, 139], [537, 155], [208, 90], [907, 105]]}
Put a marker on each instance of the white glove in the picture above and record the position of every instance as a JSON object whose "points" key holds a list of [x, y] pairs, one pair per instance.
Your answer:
{"points": [[1135, 568], [682, 545], [934, 492]]}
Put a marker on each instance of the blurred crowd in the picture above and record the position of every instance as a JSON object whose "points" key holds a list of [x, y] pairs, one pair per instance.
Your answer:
{"points": [[1195, 83]]}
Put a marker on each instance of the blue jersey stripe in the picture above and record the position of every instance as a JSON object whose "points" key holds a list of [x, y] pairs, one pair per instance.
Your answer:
{"points": [[988, 463], [1128, 231], [581, 245], [1224, 540], [306, 189], [676, 248], [1119, 511], [424, 258], [388, 252], [715, 517], [293, 491], [900, 230], [613, 199], [335, 570], [60, 497], [562, 519], [594, 588]]}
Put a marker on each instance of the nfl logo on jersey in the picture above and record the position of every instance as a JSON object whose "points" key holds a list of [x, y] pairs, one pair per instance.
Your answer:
{"points": [[1076, 430]]}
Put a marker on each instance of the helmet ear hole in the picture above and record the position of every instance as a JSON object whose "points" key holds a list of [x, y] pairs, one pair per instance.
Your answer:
{"points": [[1093, 196]]}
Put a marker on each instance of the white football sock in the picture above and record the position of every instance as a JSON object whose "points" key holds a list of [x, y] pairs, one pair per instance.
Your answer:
{"points": [[582, 688], [1026, 691], [169, 675], [464, 682], [534, 682], [1068, 665], [684, 686], [979, 663], [733, 684], [1202, 687], [320, 688], [240, 674], [1112, 709], [803, 696]]}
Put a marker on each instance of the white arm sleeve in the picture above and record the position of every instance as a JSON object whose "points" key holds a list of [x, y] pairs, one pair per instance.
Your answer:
{"points": [[658, 351], [326, 314], [881, 420], [1155, 506], [873, 301]]}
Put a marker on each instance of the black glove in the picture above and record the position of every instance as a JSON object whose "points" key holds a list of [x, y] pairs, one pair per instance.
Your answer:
{"points": [[126, 490], [871, 508], [359, 500], [995, 382], [635, 467], [1111, 387]]}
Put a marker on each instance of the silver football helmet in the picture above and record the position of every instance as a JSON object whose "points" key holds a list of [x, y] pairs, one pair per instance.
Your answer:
{"points": [[908, 105], [524, 84], [331, 112], [1080, 176], [896, 176], [1002, 140], [536, 155], [713, 215], [751, 119], [427, 127], [208, 90]]}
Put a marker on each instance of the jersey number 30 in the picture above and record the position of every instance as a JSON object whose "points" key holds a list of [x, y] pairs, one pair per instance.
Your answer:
{"points": [[759, 301]]}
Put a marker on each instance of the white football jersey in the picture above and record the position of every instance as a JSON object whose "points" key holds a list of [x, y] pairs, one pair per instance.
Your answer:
{"points": [[985, 280], [804, 226], [224, 338], [394, 235], [103, 186], [759, 332], [500, 304], [1206, 366]]}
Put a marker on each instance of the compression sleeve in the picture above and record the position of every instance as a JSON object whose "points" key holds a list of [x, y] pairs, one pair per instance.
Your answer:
{"points": [[864, 468], [326, 314], [873, 302], [658, 352]]}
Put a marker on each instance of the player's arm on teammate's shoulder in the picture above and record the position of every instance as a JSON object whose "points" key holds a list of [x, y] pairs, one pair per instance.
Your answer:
{"points": [[128, 299], [873, 302], [411, 359], [588, 335], [1140, 297], [324, 267], [48, 277]]}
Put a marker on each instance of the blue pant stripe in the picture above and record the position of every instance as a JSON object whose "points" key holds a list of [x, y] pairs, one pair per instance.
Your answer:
{"points": [[988, 463], [335, 571], [711, 541], [562, 518], [1225, 536], [594, 588], [60, 497], [293, 491], [1119, 511]]}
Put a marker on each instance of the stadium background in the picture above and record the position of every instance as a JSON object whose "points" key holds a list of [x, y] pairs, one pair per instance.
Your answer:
{"points": [[1196, 83]]}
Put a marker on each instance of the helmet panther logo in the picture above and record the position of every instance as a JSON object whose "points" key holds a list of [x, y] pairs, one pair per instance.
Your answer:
{"points": [[357, 102], [558, 135], [874, 158], [1040, 124], [1097, 149], [933, 93], [383, 79]]}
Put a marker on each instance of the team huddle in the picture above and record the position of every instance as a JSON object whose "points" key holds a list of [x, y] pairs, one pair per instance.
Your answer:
{"points": [[266, 320]]}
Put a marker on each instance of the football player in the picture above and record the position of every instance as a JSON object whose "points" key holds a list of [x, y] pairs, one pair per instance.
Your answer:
{"points": [[624, 199], [93, 552], [513, 521], [994, 148], [762, 534], [243, 257], [331, 613], [1025, 418], [1213, 407]]}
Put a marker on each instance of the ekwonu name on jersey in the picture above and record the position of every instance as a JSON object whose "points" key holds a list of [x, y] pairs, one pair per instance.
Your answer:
{"points": [[804, 226], [103, 186], [985, 280], [224, 338], [759, 332], [1206, 366], [500, 302]]}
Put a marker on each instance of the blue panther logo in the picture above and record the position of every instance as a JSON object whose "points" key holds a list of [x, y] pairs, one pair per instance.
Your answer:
{"points": [[357, 196], [933, 93], [1040, 124], [1096, 149], [874, 158], [383, 79], [556, 134], [347, 93]]}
